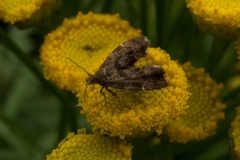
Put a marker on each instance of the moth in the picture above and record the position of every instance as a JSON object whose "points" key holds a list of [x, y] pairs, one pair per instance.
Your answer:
{"points": [[118, 70]]}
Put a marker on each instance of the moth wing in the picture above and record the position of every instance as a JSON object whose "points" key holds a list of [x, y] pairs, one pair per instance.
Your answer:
{"points": [[126, 54], [131, 50], [144, 72], [151, 83], [149, 77]]}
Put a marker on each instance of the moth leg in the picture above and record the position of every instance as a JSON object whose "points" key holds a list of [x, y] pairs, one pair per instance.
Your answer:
{"points": [[115, 95], [101, 91]]}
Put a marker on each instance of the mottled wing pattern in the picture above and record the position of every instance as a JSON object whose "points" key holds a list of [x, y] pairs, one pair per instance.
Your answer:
{"points": [[149, 77], [118, 69], [126, 54]]}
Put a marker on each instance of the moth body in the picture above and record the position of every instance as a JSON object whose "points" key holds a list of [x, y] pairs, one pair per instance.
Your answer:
{"points": [[118, 69]]}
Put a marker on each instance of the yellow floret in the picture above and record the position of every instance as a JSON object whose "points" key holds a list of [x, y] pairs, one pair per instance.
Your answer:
{"points": [[218, 17], [137, 112], [205, 108], [27, 13], [234, 134], [84, 146], [85, 39]]}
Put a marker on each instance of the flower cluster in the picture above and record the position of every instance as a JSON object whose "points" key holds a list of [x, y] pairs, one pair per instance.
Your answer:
{"points": [[87, 40], [205, 108]]}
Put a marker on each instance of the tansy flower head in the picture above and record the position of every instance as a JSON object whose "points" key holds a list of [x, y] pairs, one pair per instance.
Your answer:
{"points": [[85, 39], [27, 13], [137, 112], [91, 146], [205, 108], [220, 18], [234, 134]]}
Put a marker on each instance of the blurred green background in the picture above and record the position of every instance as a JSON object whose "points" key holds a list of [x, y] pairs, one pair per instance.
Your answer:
{"points": [[35, 116]]}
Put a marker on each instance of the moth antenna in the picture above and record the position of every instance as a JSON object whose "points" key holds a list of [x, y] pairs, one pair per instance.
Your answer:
{"points": [[80, 67], [85, 91]]}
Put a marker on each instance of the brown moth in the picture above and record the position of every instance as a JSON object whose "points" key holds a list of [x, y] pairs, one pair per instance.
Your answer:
{"points": [[118, 70]]}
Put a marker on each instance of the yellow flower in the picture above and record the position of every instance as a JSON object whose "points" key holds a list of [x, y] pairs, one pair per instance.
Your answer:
{"points": [[137, 112], [27, 13], [220, 18], [85, 39], [91, 146], [205, 108], [234, 134]]}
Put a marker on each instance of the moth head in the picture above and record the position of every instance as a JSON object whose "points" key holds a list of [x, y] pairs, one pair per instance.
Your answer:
{"points": [[92, 79]]}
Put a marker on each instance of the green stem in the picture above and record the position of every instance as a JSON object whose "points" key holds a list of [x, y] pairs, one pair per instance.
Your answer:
{"points": [[166, 150], [160, 5], [188, 43], [131, 12], [107, 6], [143, 15], [232, 94], [90, 6], [216, 53]]}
